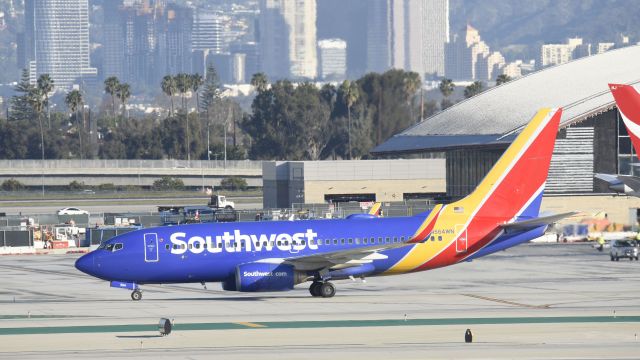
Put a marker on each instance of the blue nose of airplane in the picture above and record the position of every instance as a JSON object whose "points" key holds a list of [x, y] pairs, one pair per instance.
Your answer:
{"points": [[85, 264]]}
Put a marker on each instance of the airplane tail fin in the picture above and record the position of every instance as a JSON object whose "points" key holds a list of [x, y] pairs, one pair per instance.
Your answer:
{"points": [[628, 101], [514, 186]]}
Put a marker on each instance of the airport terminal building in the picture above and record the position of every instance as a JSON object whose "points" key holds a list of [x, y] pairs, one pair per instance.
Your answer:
{"points": [[474, 133]]}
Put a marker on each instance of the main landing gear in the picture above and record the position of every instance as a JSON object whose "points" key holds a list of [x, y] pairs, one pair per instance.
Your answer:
{"points": [[136, 295], [324, 289]]}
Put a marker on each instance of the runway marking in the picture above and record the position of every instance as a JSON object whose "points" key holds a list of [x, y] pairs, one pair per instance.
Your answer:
{"points": [[130, 328], [507, 302], [251, 325]]}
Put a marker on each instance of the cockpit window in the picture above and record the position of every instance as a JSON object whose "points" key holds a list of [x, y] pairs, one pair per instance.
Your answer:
{"points": [[109, 247], [117, 247]]}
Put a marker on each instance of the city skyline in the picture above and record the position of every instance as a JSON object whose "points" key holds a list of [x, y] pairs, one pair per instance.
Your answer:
{"points": [[143, 40]]}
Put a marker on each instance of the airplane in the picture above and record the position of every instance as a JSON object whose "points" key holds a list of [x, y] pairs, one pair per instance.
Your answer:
{"points": [[628, 102], [502, 212]]}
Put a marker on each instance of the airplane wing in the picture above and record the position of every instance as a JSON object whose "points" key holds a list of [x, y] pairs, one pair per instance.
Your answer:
{"points": [[611, 179], [532, 223], [343, 259], [625, 184]]}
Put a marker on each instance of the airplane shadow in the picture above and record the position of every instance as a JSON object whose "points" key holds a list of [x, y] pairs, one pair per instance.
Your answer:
{"points": [[137, 336]]}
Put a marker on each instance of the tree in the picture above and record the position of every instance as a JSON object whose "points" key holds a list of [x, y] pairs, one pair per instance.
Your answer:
{"points": [[20, 105], [183, 83], [233, 183], [503, 78], [111, 85], [196, 82], [124, 93], [45, 84], [13, 185], [260, 81], [412, 83], [37, 100], [74, 102], [446, 89], [350, 95], [474, 89], [210, 101], [170, 88]]}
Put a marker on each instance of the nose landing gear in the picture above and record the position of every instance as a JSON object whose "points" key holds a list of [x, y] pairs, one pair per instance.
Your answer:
{"points": [[136, 295]]}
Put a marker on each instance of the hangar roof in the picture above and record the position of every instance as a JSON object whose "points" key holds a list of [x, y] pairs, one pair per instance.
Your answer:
{"points": [[491, 118]]}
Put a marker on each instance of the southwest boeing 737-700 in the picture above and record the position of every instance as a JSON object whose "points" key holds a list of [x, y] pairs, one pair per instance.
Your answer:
{"points": [[502, 212]]}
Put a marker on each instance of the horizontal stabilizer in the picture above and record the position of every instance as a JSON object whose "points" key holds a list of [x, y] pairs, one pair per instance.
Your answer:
{"points": [[533, 223]]}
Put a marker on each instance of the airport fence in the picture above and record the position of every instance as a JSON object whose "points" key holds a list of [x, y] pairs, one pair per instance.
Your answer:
{"points": [[16, 238]]}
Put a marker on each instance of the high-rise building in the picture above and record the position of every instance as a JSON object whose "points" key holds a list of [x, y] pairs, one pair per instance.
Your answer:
{"points": [[144, 40], [469, 58], [207, 31], [407, 34], [332, 59], [61, 40], [287, 40], [251, 58]]}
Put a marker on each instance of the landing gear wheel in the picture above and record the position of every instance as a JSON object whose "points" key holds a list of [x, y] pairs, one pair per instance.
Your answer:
{"points": [[136, 295], [617, 258], [612, 258], [327, 290], [314, 289]]}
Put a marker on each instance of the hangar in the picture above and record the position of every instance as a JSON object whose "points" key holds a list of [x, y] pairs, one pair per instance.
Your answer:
{"points": [[473, 133]]}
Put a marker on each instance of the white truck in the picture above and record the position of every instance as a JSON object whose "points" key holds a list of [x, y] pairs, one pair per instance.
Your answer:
{"points": [[221, 202]]}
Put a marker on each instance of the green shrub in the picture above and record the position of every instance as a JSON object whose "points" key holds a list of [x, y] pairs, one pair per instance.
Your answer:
{"points": [[168, 183], [233, 183], [75, 185], [12, 185]]}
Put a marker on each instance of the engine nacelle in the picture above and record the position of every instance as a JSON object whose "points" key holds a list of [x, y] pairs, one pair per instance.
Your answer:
{"points": [[254, 277]]}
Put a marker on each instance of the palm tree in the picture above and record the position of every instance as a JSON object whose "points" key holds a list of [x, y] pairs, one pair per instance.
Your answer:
{"points": [[502, 78], [196, 82], [350, 94], [74, 101], [37, 100], [46, 85], [169, 88], [411, 84], [124, 93], [260, 81], [473, 89], [183, 82], [111, 85], [446, 88]]}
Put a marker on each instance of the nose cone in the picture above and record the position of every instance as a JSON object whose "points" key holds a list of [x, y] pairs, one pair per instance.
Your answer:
{"points": [[85, 264]]}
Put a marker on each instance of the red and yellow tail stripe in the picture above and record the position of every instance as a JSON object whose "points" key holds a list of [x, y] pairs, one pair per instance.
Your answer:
{"points": [[514, 181]]}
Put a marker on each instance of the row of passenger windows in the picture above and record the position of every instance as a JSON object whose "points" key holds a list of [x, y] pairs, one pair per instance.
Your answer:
{"points": [[341, 241]]}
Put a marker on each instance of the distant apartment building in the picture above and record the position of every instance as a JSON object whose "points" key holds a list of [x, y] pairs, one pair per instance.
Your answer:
{"points": [[332, 59], [556, 54], [604, 47], [513, 69], [287, 40], [55, 41], [407, 34], [470, 58]]}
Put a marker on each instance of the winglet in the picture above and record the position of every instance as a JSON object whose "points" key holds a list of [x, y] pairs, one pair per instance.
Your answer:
{"points": [[375, 209], [628, 102]]}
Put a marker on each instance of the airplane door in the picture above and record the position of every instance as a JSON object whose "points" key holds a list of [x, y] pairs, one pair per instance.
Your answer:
{"points": [[461, 242], [151, 247]]}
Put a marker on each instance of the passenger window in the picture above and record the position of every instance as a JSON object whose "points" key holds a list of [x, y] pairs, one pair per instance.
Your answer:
{"points": [[433, 238], [395, 239], [388, 239], [335, 241], [242, 243], [304, 242], [313, 242], [167, 246], [350, 241], [342, 241], [279, 242], [402, 238], [439, 238], [190, 246], [365, 241]]}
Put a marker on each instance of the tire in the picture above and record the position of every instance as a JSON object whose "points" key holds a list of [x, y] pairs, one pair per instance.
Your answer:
{"points": [[617, 258], [314, 289], [612, 258], [228, 207], [136, 295], [327, 290]]}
